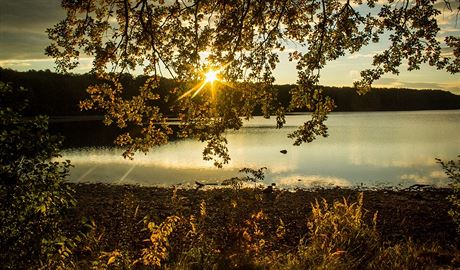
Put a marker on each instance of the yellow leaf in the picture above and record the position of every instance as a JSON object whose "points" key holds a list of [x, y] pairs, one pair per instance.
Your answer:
{"points": [[111, 260], [42, 208]]}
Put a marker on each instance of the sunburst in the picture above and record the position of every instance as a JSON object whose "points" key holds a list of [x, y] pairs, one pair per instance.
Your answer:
{"points": [[210, 77]]}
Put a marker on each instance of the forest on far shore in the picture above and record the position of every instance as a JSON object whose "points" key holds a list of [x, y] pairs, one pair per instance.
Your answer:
{"points": [[56, 94]]}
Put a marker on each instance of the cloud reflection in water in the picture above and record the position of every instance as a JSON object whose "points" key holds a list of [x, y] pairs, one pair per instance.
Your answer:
{"points": [[379, 148]]}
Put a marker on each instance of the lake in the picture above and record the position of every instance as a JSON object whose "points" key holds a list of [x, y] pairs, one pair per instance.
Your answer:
{"points": [[372, 149]]}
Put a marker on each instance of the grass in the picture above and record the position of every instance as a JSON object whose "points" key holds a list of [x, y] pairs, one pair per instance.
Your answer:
{"points": [[153, 228]]}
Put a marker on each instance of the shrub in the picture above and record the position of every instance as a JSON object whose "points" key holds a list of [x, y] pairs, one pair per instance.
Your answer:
{"points": [[33, 193], [158, 251], [452, 170]]}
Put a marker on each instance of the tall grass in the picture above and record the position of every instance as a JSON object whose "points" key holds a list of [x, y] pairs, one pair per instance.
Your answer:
{"points": [[337, 236]]}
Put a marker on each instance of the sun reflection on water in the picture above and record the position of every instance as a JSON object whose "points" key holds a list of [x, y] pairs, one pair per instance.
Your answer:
{"points": [[342, 159]]}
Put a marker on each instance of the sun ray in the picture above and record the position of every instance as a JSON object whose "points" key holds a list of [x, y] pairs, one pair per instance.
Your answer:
{"points": [[210, 77], [199, 89], [188, 92]]}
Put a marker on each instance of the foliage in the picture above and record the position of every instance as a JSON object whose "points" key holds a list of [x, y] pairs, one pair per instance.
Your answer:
{"points": [[180, 242], [407, 255], [339, 237], [55, 94], [252, 175], [158, 251], [240, 40], [205, 230], [33, 194], [195, 242], [452, 170], [253, 235]]}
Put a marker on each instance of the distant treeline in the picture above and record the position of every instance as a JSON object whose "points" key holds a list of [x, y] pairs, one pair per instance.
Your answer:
{"points": [[384, 99], [59, 94]]}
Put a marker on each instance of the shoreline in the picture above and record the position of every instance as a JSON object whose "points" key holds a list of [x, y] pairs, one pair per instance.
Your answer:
{"points": [[417, 214]]}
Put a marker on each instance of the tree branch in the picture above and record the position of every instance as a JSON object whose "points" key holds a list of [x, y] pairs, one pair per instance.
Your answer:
{"points": [[152, 40]]}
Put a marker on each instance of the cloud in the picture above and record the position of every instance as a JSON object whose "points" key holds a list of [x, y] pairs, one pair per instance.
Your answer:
{"points": [[23, 25], [15, 63], [447, 51], [447, 17], [354, 74], [42, 63], [441, 5], [387, 81], [453, 86], [16, 45], [426, 85], [360, 55], [28, 15]]}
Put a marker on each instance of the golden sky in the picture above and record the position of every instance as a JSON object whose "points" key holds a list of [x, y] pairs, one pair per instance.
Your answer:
{"points": [[23, 40]]}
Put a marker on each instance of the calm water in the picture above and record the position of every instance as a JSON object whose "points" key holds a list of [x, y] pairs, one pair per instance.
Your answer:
{"points": [[371, 149]]}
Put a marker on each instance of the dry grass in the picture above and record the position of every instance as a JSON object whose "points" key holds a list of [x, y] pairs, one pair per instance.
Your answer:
{"points": [[151, 228]]}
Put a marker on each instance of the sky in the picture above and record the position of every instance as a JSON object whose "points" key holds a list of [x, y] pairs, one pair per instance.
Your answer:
{"points": [[23, 40]]}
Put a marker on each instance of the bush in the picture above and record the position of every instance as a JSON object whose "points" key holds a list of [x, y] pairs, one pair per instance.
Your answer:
{"points": [[33, 193], [452, 170]]}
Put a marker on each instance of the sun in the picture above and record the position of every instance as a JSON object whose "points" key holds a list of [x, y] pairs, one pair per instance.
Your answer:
{"points": [[211, 76]]}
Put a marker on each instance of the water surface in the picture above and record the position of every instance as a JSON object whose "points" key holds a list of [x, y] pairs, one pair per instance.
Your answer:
{"points": [[365, 148]]}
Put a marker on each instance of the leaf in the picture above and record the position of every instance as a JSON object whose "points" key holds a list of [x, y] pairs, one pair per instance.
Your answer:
{"points": [[111, 260], [41, 208]]}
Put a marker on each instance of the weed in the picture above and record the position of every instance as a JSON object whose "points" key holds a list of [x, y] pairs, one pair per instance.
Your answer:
{"points": [[408, 255], [338, 237]]}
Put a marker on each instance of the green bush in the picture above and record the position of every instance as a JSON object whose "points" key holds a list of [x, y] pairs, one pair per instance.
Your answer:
{"points": [[452, 170], [33, 194]]}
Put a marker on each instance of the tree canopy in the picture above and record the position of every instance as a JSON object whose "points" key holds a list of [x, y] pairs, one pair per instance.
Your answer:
{"points": [[223, 53]]}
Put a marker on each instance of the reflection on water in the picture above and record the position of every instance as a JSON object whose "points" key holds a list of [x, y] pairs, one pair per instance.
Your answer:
{"points": [[374, 149]]}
